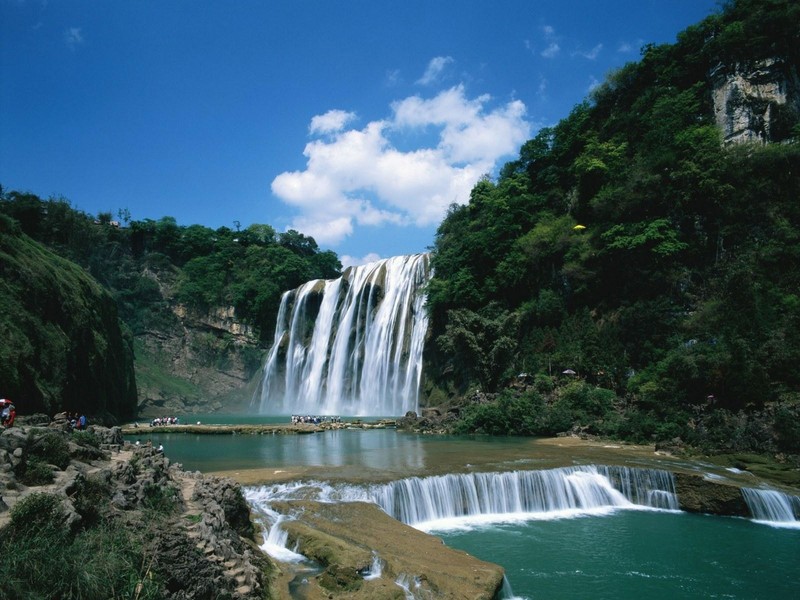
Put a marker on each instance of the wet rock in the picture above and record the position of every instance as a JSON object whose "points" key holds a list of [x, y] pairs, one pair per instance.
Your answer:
{"points": [[696, 494]]}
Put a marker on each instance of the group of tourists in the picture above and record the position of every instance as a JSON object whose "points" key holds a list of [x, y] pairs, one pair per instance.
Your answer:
{"points": [[78, 422], [314, 420], [8, 412], [164, 421]]}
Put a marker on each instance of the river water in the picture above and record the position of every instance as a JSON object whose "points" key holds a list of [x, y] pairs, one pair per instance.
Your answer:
{"points": [[621, 553]]}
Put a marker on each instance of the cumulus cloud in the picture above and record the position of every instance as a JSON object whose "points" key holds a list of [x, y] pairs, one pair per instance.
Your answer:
{"points": [[331, 122], [73, 37], [434, 70], [358, 177]]}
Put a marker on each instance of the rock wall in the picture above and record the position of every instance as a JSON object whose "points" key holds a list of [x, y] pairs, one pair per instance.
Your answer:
{"points": [[200, 362], [755, 102]]}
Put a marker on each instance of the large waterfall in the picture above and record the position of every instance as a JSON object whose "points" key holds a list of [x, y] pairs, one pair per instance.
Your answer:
{"points": [[350, 346]]}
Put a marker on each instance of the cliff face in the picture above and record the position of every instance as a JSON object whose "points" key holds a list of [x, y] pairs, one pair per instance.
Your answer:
{"points": [[755, 102], [63, 344], [206, 362]]}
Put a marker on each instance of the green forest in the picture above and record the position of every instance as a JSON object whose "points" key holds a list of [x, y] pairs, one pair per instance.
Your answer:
{"points": [[630, 275]]}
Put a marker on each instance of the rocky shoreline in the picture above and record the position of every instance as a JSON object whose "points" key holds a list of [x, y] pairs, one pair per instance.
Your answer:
{"points": [[204, 547]]}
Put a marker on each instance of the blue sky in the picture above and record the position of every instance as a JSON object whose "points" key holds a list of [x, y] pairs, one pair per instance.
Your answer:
{"points": [[356, 122]]}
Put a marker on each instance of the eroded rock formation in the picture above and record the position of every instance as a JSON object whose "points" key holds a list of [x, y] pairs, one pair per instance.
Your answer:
{"points": [[756, 102]]}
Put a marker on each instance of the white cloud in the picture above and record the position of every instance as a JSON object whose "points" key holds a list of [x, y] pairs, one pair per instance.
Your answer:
{"points": [[73, 37], [542, 89], [624, 48], [435, 69], [354, 261], [358, 177], [552, 49], [393, 78], [331, 122], [593, 83], [591, 54]]}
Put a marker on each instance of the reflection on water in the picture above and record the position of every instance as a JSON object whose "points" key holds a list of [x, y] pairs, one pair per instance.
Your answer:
{"points": [[387, 454], [375, 450]]}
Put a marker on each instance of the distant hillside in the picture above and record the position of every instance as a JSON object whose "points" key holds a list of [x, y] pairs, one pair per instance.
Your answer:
{"points": [[636, 272], [63, 347]]}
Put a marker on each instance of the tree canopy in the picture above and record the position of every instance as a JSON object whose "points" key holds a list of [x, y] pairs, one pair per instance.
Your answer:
{"points": [[628, 245]]}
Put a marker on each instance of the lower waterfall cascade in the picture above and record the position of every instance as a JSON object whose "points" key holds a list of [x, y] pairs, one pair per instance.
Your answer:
{"points": [[350, 346], [420, 501], [773, 507]]}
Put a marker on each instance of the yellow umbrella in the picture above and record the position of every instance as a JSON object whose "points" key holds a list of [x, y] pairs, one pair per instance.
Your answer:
{"points": [[579, 227]]}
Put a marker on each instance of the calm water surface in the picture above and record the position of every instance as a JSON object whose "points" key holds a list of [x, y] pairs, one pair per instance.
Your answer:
{"points": [[379, 454]]}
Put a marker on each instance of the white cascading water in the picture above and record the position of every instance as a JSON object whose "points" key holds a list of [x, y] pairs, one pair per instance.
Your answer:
{"points": [[773, 507], [375, 569], [417, 501], [427, 502], [350, 346]]}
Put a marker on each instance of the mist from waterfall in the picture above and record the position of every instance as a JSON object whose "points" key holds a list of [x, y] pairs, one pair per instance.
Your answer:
{"points": [[350, 346]]}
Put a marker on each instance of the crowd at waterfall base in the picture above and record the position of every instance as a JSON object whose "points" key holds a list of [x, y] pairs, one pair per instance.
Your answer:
{"points": [[314, 419]]}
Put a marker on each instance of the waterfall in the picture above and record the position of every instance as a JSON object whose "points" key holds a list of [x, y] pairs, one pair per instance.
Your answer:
{"points": [[773, 507], [375, 569], [350, 346], [275, 538], [419, 501]]}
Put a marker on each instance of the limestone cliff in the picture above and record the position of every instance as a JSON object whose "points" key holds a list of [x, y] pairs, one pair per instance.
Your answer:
{"points": [[202, 362], [757, 101]]}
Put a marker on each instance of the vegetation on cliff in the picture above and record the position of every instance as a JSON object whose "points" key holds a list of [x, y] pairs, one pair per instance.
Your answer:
{"points": [[629, 274], [63, 345]]}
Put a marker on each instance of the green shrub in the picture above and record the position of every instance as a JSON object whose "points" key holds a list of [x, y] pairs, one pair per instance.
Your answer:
{"points": [[52, 448], [86, 438], [89, 496], [42, 560], [160, 498], [35, 471], [36, 512]]}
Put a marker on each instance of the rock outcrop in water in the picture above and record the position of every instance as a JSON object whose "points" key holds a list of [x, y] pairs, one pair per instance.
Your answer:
{"points": [[346, 538], [698, 494]]}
